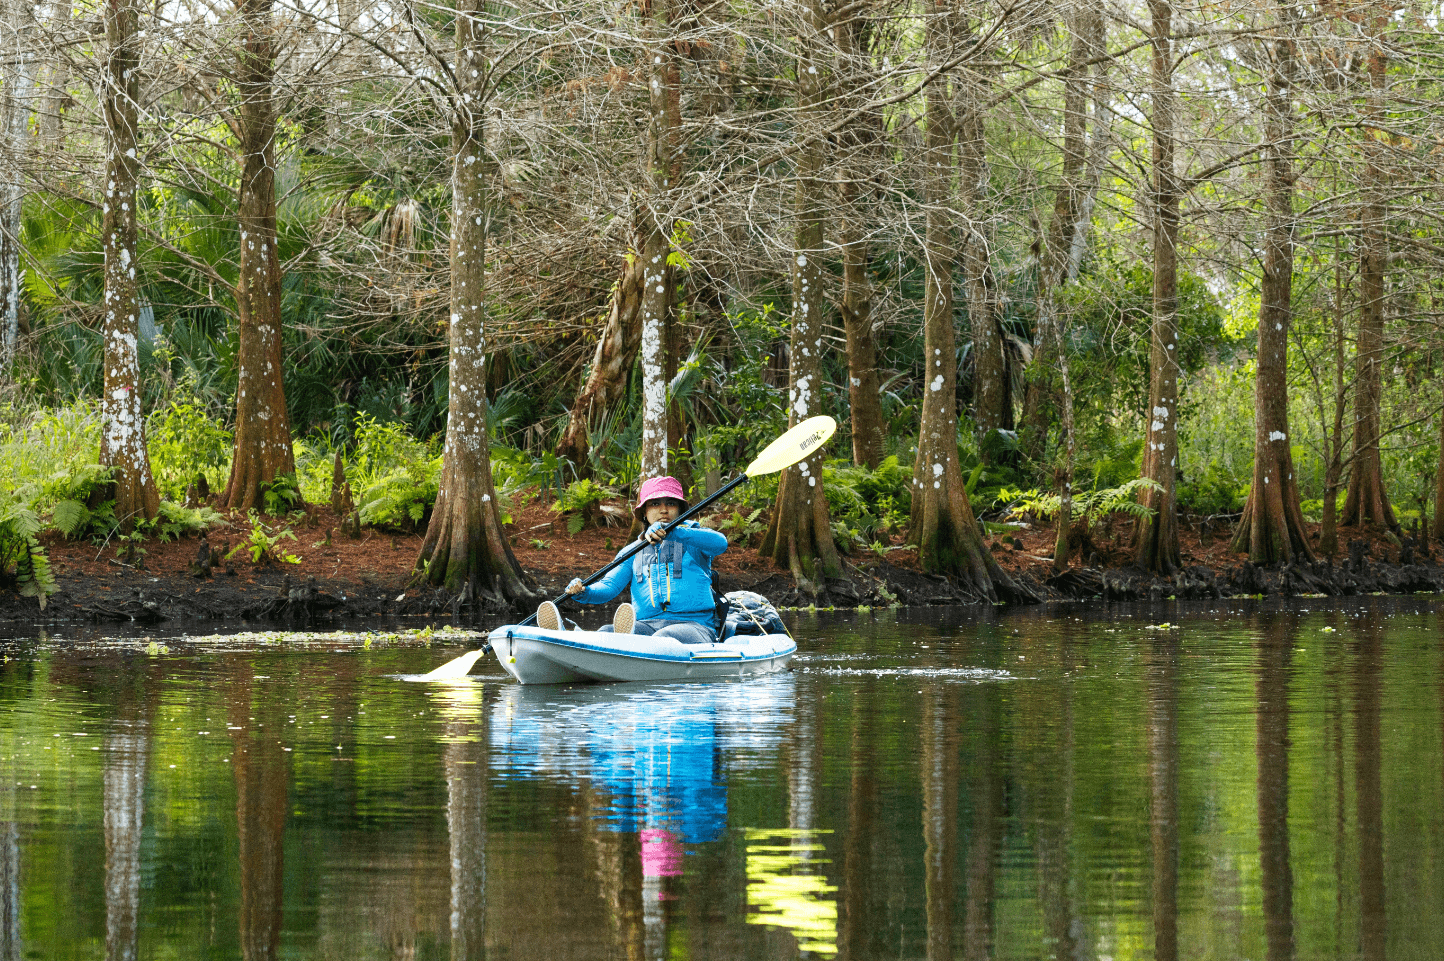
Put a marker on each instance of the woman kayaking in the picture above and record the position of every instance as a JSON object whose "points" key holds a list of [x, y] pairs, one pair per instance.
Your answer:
{"points": [[671, 577]]}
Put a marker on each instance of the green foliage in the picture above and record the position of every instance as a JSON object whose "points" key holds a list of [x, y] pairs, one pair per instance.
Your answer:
{"points": [[740, 528], [176, 520], [1090, 507], [867, 505], [23, 561], [263, 543], [397, 477], [583, 500], [183, 441], [281, 494]]}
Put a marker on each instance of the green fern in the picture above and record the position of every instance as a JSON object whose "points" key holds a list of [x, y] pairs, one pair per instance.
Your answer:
{"points": [[23, 560], [70, 517], [175, 520]]}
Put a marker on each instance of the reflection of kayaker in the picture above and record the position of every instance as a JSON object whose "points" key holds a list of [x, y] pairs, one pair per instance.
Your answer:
{"points": [[670, 578]]}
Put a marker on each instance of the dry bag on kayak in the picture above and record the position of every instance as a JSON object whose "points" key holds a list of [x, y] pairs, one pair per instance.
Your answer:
{"points": [[750, 613]]}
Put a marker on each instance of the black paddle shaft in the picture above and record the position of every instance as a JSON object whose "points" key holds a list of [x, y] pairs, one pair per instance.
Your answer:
{"points": [[641, 542]]}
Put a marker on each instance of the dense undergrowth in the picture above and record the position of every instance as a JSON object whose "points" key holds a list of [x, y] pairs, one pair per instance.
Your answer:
{"points": [[50, 480]]}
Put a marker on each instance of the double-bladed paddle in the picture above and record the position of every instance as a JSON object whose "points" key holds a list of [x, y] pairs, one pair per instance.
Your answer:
{"points": [[797, 444]]}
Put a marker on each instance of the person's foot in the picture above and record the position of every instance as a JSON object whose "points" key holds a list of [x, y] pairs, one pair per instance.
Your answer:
{"points": [[623, 620], [548, 618]]}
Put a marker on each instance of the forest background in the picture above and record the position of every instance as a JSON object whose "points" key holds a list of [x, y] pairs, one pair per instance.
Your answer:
{"points": [[423, 261]]}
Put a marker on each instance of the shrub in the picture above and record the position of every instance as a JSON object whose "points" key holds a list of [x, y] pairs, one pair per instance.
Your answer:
{"points": [[184, 441]]}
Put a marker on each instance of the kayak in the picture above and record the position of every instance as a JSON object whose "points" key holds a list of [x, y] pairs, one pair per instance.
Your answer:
{"points": [[536, 656]]}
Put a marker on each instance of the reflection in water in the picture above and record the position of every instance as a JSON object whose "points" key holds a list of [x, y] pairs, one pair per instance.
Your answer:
{"points": [[12, 948], [985, 788], [787, 889], [857, 938], [262, 775], [127, 746], [1275, 656], [1162, 720], [940, 818], [465, 761], [1220, 791], [1368, 773]]}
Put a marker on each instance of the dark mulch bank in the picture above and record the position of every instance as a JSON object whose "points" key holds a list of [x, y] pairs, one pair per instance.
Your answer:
{"points": [[369, 575]]}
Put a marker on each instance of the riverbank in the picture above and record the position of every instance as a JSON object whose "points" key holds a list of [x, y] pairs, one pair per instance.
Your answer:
{"points": [[335, 575]]}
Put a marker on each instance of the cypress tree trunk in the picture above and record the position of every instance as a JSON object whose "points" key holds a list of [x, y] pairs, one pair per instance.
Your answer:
{"points": [[15, 94], [799, 534], [1272, 526], [991, 394], [657, 294], [864, 389], [1367, 501], [1156, 537], [465, 549], [1085, 23], [943, 527], [122, 438], [263, 427]]}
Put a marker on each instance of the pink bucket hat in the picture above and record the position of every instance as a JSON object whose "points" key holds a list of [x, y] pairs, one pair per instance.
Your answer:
{"points": [[657, 487]]}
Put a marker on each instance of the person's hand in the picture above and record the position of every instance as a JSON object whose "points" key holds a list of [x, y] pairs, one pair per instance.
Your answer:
{"points": [[576, 586], [656, 533]]}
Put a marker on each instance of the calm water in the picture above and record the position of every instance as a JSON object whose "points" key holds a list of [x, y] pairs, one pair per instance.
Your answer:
{"points": [[1251, 783]]}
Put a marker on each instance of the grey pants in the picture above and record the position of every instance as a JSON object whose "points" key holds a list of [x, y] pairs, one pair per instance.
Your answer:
{"points": [[688, 632]]}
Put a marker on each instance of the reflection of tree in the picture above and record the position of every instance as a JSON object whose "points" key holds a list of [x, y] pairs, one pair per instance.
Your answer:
{"points": [[858, 931], [1275, 655], [986, 788], [940, 820], [465, 759], [11, 947], [1162, 694], [1368, 765], [127, 749], [1045, 717], [262, 777]]}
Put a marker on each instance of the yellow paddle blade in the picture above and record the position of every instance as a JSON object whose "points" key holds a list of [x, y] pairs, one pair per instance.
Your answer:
{"points": [[455, 669], [801, 441]]}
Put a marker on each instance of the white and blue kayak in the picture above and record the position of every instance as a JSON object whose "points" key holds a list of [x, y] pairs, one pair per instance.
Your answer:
{"points": [[536, 656]]}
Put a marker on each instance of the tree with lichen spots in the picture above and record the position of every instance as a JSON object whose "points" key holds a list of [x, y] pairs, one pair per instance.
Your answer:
{"points": [[16, 88], [799, 534], [465, 549], [943, 527], [1272, 527], [663, 121], [1156, 536], [263, 429], [122, 438]]}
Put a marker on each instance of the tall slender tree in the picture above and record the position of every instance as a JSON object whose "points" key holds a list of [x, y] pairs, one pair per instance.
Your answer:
{"points": [[1084, 24], [663, 120], [122, 438], [1367, 501], [858, 147], [465, 549], [943, 527], [17, 32], [1272, 526], [1156, 537], [263, 427], [799, 535]]}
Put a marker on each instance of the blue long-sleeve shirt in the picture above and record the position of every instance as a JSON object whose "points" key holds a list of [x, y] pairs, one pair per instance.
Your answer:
{"points": [[672, 579]]}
